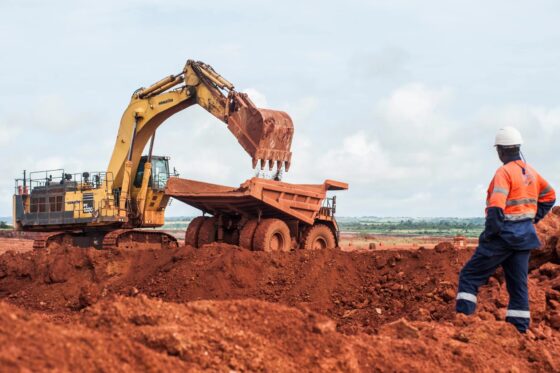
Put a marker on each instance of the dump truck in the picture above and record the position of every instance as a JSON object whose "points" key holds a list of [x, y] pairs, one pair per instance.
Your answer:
{"points": [[107, 209], [261, 214]]}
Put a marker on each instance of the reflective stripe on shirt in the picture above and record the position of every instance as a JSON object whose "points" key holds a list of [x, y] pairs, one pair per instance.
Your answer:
{"points": [[516, 217], [521, 201], [501, 190], [545, 191]]}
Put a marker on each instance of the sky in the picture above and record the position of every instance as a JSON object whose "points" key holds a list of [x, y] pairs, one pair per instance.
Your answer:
{"points": [[401, 99]]}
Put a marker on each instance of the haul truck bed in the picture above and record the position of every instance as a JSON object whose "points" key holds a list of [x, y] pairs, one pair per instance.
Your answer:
{"points": [[299, 206]]}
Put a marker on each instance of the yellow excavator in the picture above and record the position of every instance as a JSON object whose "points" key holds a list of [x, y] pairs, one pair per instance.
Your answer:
{"points": [[104, 209]]}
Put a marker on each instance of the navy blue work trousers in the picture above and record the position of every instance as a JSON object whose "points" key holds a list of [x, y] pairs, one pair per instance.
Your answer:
{"points": [[481, 266]]}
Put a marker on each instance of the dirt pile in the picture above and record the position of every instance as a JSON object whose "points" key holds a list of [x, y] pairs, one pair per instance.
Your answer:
{"points": [[138, 333], [360, 290], [15, 244], [548, 231], [225, 308], [32, 344]]}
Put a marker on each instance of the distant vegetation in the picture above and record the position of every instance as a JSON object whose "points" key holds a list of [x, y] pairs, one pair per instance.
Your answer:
{"points": [[470, 227], [4, 225]]}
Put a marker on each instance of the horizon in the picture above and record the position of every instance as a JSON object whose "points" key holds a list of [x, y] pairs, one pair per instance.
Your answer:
{"points": [[8, 218]]}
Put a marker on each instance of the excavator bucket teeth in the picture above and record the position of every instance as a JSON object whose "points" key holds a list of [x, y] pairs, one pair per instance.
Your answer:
{"points": [[265, 134]]}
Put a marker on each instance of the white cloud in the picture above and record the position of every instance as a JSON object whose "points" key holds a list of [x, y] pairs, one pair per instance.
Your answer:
{"points": [[47, 114], [414, 118], [69, 164], [360, 159], [53, 113], [8, 133], [413, 156], [478, 193], [257, 97], [532, 121], [413, 104], [384, 63], [303, 109]]}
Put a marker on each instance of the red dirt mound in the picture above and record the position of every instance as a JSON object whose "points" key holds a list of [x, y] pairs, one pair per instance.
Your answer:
{"points": [[360, 290], [548, 231], [14, 244], [141, 334], [32, 344], [318, 305]]}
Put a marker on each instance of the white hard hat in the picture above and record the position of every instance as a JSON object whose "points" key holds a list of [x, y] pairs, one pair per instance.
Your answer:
{"points": [[508, 136]]}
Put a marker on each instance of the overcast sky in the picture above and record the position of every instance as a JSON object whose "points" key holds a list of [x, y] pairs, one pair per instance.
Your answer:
{"points": [[401, 99]]}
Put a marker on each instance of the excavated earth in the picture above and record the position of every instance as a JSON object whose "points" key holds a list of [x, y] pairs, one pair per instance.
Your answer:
{"points": [[222, 308]]}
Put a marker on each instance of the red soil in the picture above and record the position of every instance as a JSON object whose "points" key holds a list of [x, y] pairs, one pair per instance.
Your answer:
{"points": [[224, 308], [142, 334], [359, 290]]}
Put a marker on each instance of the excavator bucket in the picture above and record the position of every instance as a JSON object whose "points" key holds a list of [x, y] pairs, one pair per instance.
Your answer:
{"points": [[265, 134]]}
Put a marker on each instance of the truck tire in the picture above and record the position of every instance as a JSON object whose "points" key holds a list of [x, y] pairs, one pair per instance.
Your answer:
{"points": [[247, 233], [191, 235], [319, 237], [272, 235], [207, 232]]}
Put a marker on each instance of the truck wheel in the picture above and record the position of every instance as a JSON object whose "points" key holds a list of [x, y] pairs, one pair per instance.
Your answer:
{"points": [[319, 237], [191, 235], [207, 232], [247, 233], [272, 235]]}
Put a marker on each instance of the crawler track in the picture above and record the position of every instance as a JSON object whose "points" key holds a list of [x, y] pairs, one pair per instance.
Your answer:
{"points": [[135, 239]]}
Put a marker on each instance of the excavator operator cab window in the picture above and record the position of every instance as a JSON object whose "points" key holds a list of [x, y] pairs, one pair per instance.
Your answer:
{"points": [[160, 172]]}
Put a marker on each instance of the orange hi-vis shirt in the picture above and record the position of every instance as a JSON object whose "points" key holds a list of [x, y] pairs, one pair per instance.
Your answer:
{"points": [[517, 189]]}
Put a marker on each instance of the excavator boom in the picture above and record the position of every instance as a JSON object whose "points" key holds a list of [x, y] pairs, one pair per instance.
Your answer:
{"points": [[266, 135]]}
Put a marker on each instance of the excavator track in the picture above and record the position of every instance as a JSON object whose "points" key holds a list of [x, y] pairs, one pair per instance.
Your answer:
{"points": [[136, 238], [118, 239], [43, 240]]}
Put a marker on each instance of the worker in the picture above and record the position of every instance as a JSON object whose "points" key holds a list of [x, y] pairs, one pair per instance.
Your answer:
{"points": [[517, 198]]}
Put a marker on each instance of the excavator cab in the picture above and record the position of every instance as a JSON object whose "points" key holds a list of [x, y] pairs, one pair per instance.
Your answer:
{"points": [[160, 172]]}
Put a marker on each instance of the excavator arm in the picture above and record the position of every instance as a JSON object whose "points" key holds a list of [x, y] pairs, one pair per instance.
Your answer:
{"points": [[266, 135]]}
